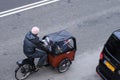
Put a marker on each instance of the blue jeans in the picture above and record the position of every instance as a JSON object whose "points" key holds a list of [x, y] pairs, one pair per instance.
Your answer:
{"points": [[39, 54]]}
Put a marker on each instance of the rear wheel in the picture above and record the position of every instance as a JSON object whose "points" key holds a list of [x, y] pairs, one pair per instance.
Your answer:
{"points": [[64, 65], [22, 72]]}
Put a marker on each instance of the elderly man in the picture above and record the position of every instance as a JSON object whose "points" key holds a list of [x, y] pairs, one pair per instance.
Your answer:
{"points": [[33, 47]]}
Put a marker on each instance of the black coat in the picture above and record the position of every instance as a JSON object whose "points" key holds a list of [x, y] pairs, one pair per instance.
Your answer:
{"points": [[31, 42]]}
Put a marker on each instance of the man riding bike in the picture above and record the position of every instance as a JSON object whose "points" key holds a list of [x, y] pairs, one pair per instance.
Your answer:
{"points": [[33, 47]]}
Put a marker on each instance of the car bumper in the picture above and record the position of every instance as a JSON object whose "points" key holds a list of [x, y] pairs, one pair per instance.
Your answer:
{"points": [[100, 74]]}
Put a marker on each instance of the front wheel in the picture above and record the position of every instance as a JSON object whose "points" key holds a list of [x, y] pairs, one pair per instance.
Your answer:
{"points": [[22, 72], [64, 65]]}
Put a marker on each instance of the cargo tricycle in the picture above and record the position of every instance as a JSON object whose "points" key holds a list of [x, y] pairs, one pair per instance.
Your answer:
{"points": [[62, 47]]}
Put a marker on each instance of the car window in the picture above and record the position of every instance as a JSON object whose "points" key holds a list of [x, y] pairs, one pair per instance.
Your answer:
{"points": [[113, 46]]}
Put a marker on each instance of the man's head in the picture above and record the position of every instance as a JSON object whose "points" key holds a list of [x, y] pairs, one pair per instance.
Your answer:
{"points": [[35, 30]]}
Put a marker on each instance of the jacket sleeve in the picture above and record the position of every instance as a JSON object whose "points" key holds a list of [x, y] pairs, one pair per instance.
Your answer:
{"points": [[42, 47], [36, 41], [40, 44]]}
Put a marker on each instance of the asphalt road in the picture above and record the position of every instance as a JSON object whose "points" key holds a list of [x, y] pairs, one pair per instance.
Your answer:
{"points": [[10, 4], [90, 21]]}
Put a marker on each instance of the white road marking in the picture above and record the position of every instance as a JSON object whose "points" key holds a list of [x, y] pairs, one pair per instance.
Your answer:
{"points": [[26, 7]]}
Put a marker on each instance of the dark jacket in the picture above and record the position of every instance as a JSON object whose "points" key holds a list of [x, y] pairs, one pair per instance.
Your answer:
{"points": [[31, 42]]}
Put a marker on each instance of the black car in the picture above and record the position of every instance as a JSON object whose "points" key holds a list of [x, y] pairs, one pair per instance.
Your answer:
{"points": [[109, 62]]}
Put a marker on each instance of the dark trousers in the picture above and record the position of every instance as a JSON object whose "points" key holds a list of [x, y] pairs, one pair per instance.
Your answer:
{"points": [[39, 54]]}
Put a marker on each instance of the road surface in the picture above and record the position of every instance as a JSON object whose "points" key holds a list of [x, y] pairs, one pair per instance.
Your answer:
{"points": [[10, 4], [90, 21]]}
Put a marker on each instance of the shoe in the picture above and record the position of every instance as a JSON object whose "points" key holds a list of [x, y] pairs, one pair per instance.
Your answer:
{"points": [[36, 69]]}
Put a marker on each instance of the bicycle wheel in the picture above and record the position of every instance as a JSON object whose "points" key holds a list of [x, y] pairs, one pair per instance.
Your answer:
{"points": [[64, 65], [22, 72]]}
